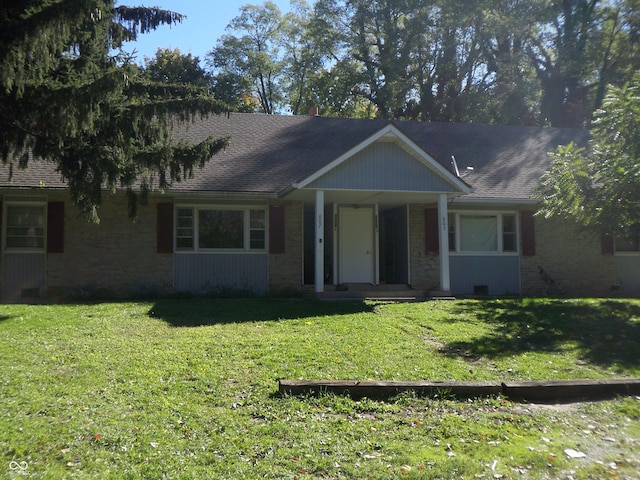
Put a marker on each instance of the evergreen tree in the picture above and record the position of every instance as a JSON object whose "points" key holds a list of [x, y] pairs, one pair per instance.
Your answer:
{"points": [[66, 98]]}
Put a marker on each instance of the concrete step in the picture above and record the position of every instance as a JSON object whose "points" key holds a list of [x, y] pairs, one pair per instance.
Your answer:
{"points": [[391, 292]]}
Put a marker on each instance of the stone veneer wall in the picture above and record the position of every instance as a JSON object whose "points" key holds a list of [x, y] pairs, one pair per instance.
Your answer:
{"points": [[116, 257], [424, 269], [286, 269], [570, 257]]}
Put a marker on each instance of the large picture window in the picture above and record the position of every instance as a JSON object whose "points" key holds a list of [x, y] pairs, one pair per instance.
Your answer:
{"points": [[478, 233], [211, 228], [25, 227], [483, 233], [221, 229], [624, 244]]}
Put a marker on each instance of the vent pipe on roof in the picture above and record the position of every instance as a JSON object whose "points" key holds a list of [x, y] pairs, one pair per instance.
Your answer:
{"points": [[313, 111], [454, 164]]}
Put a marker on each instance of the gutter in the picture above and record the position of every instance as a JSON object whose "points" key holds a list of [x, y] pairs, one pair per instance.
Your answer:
{"points": [[496, 201]]}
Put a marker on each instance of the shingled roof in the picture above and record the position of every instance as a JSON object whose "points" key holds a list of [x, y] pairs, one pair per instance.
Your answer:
{"points": [[268, 153], [507, 161]]}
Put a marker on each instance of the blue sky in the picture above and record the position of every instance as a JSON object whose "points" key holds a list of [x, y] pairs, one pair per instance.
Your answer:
{"points": [[205, 23]]}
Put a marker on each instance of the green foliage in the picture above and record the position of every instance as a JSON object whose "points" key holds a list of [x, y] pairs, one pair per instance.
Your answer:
{"points": [[600, 187], [171, 66], [250, 64], [186, 389], [64, 99], [523, 62]]}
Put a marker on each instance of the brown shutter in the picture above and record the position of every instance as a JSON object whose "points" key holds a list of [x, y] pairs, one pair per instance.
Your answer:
{"points": [[528, 233], [607, 245], [431, 231], [276, 229], [55, 227], [164, 228]]}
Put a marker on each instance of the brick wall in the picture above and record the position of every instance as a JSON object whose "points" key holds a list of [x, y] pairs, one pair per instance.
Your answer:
{"points": [[570, 257], [285, 269], [424, 269], [115, 257]]}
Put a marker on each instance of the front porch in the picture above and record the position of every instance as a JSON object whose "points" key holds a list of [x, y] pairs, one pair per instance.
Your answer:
{"points": [[377, 250]]}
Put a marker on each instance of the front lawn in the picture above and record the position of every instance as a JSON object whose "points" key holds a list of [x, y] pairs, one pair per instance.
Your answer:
{"points": [[188, 389]]}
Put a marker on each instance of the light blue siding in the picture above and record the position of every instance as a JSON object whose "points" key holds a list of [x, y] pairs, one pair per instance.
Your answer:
{"points": [[23, 276], [628, 271], [203, 273], [383, 167], [500, 273]]}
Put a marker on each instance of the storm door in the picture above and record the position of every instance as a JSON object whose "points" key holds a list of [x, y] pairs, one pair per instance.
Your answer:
{"points": [[356, 240]]}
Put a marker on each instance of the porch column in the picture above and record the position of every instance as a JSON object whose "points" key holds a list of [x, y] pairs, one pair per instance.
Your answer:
{"points": [[319, 221], [443, 218]]}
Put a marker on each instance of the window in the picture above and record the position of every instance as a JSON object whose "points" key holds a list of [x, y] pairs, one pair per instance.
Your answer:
{"points": [[624, 244], [25, 227], [184, 228], [509, 233], [478, 233], [471, 232], [221, 229], [257, 229], [212, 228], [451, 220]]}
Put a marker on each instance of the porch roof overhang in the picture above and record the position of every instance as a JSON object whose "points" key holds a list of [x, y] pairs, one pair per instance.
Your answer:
{"points": [[387, 168]]}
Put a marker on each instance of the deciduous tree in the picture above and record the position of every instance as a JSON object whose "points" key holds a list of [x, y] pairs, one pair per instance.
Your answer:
{"points": [[172, 66], [250, 55], [599, 187]]}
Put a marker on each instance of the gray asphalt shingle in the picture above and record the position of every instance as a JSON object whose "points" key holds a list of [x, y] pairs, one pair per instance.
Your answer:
{"points": [[267, 153]]}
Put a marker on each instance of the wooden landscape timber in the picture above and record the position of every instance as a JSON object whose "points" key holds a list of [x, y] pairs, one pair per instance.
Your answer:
{"points": [[562, 390], [534, 391]]}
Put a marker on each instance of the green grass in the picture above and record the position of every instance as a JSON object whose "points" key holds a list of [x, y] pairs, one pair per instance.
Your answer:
{"points": [[188, 389]]}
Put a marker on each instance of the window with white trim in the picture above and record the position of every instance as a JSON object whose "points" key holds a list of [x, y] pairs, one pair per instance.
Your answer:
{"points": [[184, 229], [626, 245], [483, 232], [25, 227], [213, 228]]}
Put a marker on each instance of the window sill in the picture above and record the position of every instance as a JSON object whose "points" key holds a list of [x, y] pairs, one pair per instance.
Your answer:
{"points": [[221, 252], [25, 250], [484, 254]]}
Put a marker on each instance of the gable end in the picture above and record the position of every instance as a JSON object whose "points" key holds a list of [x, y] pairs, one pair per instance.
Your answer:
{"points": [[383, 166]]}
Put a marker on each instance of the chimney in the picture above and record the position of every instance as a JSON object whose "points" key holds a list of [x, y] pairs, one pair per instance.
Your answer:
{"points": [[313, 111]]}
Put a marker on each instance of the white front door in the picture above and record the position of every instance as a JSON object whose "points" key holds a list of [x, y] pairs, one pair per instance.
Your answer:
{"points": [[356, 245]]}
